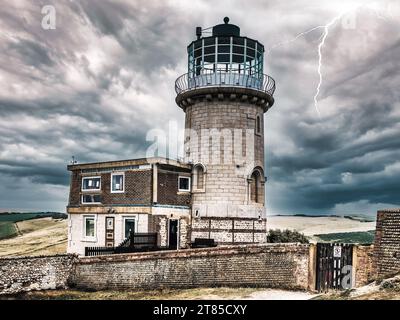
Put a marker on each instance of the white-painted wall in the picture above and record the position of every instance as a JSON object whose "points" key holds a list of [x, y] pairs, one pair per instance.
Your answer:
{"points": [[76, 236]]}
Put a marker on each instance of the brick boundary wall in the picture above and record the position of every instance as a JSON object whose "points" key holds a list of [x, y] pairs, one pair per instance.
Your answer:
{"points": [[284, 266], [23, 274], [363, 264], [387, 243]]}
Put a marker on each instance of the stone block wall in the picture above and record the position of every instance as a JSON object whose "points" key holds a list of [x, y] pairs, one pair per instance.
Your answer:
{"points": [[387, 243], [269, 265], [213, 141], [35, 273]]}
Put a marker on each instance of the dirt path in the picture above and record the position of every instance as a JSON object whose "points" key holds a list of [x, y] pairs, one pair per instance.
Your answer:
{"points": [[272, 294]]}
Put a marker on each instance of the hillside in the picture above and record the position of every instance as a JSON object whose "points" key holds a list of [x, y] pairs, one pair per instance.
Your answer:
{"points": [[37, 237], [329, 228]]}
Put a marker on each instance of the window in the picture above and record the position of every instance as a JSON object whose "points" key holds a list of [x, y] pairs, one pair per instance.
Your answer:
{"points": [[254, 186], [129, 226], [91, 183], [198, 178], [91, 198], [117, 182], [90, 227], [257, 186], [184, 184], [258, 124]]}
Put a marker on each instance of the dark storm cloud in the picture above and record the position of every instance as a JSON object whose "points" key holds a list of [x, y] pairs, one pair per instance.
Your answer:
{"points": [[31, 53], [96, 85]]}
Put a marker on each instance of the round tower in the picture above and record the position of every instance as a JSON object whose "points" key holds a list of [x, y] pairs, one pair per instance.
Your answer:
{"points": [[224, 95]]}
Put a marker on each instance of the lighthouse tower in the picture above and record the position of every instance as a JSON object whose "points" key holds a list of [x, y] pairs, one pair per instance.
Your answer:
{"points": [[224, 96]]}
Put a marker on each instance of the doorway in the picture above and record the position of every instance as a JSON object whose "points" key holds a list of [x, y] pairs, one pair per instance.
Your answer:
{"points": [[173, 234], [129, 226]]}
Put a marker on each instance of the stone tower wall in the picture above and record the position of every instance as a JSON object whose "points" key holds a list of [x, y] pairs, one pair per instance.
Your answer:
{"points": [[220, 132]]}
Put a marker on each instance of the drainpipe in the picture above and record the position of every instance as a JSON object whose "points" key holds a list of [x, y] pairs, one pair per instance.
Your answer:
{"points": [[155, 182]]}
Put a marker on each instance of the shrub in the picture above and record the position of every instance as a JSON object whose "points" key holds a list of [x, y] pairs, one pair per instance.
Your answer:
{"points": [[281, 236]]}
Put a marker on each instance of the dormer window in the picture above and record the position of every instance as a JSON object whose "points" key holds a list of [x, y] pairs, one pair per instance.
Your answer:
{"points": [[91, 183], [117, 182]]}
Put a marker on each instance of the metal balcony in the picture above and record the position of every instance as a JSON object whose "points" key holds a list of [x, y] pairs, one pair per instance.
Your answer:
{"points": [[221, 78]]}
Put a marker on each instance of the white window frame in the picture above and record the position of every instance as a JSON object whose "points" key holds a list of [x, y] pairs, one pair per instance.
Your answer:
{"points": [[89, 238], [123, 182], [86, 194], [89, 190], [190, 184]]}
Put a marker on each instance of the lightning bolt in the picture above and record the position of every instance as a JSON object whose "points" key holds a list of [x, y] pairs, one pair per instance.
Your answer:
{"points": [[293, 39], [321, 43]]}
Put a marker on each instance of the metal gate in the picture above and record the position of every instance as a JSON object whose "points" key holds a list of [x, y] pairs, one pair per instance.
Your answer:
{"points": [[334, 263]]}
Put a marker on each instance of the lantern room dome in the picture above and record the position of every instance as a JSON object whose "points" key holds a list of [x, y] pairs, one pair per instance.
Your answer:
{"points": [[220, 56]]}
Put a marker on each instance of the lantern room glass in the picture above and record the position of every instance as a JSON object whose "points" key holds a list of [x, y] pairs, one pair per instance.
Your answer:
{"points": [[233, 54]]}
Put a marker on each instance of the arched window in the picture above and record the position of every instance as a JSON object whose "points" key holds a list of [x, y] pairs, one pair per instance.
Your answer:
{"points": [[256, 186], [199, 177], [258, 124]]}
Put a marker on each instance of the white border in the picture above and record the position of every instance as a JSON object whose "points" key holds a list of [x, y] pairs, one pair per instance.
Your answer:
{"points": [[87, 238], [190, 184], [88, 194], [88, 190], [134, 217], [123, 180]]}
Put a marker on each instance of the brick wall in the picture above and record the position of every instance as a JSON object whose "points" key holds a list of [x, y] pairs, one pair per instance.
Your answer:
{"points": [[168, 190], [35, 273], [364, 266], [387, 243], [268, 265], [75, 189], [138, 188]]}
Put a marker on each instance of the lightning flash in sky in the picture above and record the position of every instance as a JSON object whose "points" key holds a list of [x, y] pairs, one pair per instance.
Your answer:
{"points": [[320, 45], [322, 39]]}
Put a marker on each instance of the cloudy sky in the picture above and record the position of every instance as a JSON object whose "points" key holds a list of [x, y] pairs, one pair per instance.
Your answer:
{"points": [[95, 86]]}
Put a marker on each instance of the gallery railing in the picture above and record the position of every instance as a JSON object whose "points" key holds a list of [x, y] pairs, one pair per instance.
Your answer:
{"points": [[222, 78]]}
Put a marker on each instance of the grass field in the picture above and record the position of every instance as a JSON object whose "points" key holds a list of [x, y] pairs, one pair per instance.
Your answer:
{"points": [[7, 230], [347, 237], [36, 237], [8, 222]]}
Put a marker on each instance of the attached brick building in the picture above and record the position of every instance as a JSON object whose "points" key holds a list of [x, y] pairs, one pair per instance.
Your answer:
{"points": [[109, 199]]}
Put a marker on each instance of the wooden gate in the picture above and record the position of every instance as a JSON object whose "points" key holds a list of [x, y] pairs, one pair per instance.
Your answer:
{"points": [[334, 262]]}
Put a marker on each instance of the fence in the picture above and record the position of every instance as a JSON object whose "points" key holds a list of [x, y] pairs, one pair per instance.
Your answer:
{"points": [[136, 242]]}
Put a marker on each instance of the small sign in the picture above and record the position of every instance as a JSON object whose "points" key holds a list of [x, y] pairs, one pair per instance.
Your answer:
{"points": [[337, 251], [110, 223]]}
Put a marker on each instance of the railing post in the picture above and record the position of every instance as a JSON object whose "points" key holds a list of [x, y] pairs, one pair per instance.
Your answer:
{"points": [[132, 242]]}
